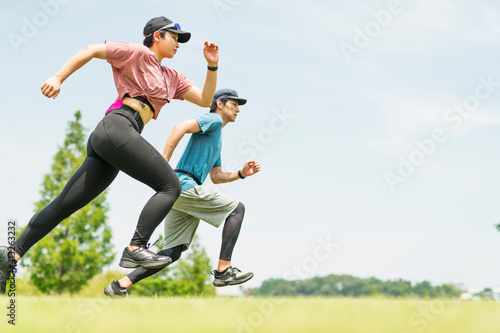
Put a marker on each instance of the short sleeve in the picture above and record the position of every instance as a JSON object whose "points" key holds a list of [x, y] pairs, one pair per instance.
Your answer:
{"points": [[209, 122], [117, 54], [183, 86], [218, 163], [180, 82]]}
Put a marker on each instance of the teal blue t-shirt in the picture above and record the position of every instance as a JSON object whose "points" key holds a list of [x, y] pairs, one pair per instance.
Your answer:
{"points": [[203, 150]]}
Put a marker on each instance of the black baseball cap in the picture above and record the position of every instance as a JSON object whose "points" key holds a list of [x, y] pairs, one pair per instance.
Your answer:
{"points": [[163, 23], [230, 94]]}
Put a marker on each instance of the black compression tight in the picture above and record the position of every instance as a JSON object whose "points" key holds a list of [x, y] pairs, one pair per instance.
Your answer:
{"points": [[115, 145], [231, 231], [230, 234], [141, 273]]}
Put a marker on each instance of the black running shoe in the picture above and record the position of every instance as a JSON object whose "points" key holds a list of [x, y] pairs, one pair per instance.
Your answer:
{"points": [[5, 268], [230, 277], [115, 290], [142, 257]]}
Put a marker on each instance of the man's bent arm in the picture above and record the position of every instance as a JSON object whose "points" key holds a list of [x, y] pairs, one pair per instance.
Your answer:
{"points": [[249, 169], [218, 176], [187, 126]]}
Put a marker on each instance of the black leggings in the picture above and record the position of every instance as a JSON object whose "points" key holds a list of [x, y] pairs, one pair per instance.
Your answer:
{"points": [[115, 144], [230, 234]]}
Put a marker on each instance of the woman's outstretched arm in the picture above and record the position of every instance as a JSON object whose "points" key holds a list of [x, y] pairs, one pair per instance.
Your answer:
{"points": [[52, 86]]}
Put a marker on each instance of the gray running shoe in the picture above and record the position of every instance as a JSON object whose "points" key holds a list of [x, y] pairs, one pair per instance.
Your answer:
{"points": [[5, 268], [142, 257], [115, 290], [230, 277]]}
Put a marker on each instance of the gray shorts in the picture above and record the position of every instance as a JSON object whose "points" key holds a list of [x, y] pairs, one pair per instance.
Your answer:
{"points": [[197, 203]]}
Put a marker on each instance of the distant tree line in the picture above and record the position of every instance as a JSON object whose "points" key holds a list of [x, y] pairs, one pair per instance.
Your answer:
{"points": [[349, 286]]}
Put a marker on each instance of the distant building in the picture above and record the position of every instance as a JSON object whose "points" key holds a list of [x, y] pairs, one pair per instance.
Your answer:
{"points": [[465, 297], [496, 293], [470, 287], [488, 294]]}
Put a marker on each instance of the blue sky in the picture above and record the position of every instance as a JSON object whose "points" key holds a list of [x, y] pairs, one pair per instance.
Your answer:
{"points": [[381, 160]]}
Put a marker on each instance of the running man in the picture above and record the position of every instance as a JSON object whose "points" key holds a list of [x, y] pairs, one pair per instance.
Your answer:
{"points": [[197, 202]]}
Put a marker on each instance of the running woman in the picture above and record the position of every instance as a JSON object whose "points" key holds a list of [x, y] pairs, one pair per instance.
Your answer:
{"points": [[144, 87], [197, 202]]}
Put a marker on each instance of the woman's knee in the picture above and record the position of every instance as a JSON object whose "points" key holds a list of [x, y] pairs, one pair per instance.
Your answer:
{"points": [[171, 188], [171, 185], [177, 188], [174, 188]]}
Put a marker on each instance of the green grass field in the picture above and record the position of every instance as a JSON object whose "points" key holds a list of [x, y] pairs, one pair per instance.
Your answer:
{"points": [[77, 314]]}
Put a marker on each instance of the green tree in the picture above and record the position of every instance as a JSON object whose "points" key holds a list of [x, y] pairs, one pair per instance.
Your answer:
{"points": [[80, 246], [188, 276]]}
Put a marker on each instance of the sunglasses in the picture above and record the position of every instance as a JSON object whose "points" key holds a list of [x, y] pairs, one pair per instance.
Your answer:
{"points": [[231, 93], [171, 25]]}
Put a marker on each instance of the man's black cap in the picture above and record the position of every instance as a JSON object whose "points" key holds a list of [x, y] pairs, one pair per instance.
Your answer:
{"points": [[229, 94]]}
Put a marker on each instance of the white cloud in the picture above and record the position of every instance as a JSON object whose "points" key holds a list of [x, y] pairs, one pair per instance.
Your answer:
{"points": [[422, 27]]}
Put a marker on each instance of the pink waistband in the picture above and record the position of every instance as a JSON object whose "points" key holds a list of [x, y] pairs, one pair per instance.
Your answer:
{"points": [[116, 105]]}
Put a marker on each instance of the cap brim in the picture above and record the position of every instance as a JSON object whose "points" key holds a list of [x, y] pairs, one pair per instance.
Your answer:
{"points": [[241, 101], [183, 36]]}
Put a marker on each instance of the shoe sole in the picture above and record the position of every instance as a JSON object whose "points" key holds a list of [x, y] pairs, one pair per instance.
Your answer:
{"points": [[220, 283], [129, 263]]}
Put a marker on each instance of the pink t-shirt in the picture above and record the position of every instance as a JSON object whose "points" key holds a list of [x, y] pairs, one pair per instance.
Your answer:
{"points": [[137, 73]]}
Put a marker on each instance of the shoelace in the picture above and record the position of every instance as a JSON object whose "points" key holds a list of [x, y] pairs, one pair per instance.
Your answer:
{"points": [[142, 238], [148, 246]]}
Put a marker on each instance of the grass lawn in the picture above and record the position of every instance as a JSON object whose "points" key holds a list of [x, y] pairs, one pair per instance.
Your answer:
{"points": [[56, 314]]}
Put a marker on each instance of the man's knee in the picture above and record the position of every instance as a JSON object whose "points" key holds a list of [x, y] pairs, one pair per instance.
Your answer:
{"points": [[174, 253], [240, 210]]}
